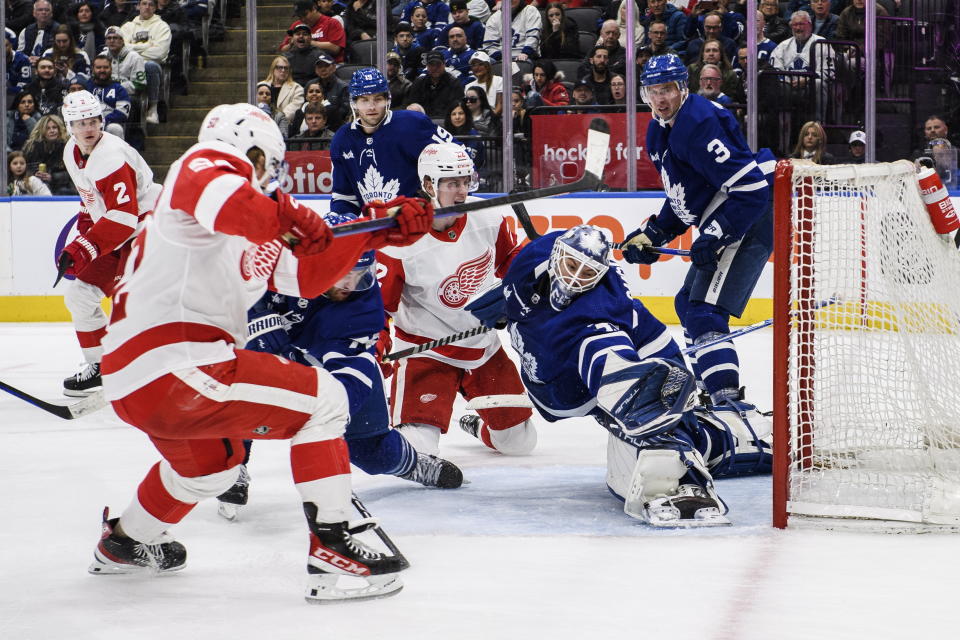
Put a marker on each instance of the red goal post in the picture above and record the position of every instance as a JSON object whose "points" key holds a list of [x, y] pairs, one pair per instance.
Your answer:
{"points": [[866, 352]]}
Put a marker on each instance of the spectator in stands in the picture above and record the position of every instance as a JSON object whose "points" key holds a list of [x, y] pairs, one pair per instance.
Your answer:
{"points": [[111, 94], [457, 56], [129, 68], [518, 102], [851, 25], [47, 88], [399, 84], [675, 20], [560, 35], [794, 54], [618, 90], [413, 106], [360, 20], [116, 12], [526, 25], [583, 94], [173, 14], [713, 30], [21, 121], [471, 26], [85, 27], [595, 71], [44, 150], [423, 35], [812, 144], [265, 103], [711, 81], [411, 53], [777, 28], [20, 181], [326, 33], [459, 122], [437, 91], [287, 94], [610, 40], [824, 22], [492, 85], [19, 15], [335, 91], [301, 55], [37, 37], [316, 136], [314, 96], [19, 70], [732, 84], [332, 9], [70, 61], [732, 23], [765, 47], [480, 9], [657, 36], [639, 32], [547, 87], [856, 148], [149, 35], [934, 128], [438, 12], [484, 119]]}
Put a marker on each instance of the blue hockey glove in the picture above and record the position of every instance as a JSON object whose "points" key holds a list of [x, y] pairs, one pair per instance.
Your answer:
{"points": [[266, 333], [490, 308], [635, 246], [713, 238]]}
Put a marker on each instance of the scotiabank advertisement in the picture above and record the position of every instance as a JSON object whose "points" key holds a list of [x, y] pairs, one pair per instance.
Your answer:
{"points": [[308, 172], [559, 145]]}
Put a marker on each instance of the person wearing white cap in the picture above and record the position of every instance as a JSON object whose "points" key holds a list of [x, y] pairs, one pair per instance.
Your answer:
{"points": [[485, 79], [128, 65], [858, 147]]}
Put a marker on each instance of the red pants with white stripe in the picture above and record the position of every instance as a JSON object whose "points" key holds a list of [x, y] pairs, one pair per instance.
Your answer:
{"points": [[198, 418], [83, 297]]}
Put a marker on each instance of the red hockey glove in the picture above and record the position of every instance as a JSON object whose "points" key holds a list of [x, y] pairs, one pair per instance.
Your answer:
{"points": [[78, 255], [384, 344], [414, 217], [302, 227]]}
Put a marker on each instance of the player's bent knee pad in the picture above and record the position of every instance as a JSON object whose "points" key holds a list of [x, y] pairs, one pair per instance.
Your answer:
{"points": [[82, 299], [195, 489], [702, 318], [518, 440], [331, 413]]}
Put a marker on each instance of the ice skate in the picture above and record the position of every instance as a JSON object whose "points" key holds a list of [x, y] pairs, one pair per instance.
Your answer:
{"points": [[691, 506], [116, 554], [431, 471], [231, 500], [84, 382], [471, 424]]}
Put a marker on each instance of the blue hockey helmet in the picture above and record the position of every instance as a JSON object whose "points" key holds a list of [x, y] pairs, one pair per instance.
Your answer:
{"points": [[367, 81], [363, 275], [662, 69], [579, 260]]}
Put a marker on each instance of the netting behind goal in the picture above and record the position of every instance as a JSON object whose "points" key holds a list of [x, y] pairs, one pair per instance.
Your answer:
{"points": [[867, 352]]}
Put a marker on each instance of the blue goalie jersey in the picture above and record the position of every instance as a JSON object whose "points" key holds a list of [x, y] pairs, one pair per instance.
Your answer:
{"points": [[563, 353], [707, 168], [382, 165]]}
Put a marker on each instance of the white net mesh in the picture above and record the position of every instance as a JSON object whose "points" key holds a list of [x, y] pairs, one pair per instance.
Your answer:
{"points": [[874, 353]]}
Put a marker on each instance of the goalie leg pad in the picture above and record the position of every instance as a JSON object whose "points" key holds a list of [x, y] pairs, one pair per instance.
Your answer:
{"points": [[738, 442], [656, 473]]}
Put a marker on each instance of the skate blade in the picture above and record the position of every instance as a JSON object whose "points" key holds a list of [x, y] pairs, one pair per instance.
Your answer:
{"points": [[228, 511], [323, 588], [105, 567], [71, 393], [712, 518]]}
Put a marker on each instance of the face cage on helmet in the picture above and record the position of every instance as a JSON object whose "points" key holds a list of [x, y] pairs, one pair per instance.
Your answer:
{"points": [[360, 278], [473, 186], [573, 282], [69, 123], [684, 94]]}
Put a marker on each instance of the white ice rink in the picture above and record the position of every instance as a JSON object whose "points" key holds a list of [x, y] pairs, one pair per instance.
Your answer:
{"points": [[533, 547]]}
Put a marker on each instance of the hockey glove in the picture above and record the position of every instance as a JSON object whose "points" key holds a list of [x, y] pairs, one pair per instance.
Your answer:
{"points": [[301, 227], [490, 308], [78, 255], [712, 239], [266, 333], [635, 246], [414, 217]]}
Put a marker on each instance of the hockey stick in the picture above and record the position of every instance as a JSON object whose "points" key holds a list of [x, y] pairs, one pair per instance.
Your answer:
{"points": [[380, 532], [439, 342], [91, 403], [519, 400]]}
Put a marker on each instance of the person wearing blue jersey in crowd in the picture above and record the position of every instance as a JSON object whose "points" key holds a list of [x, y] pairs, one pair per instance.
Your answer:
{"points": [[375, 156], [715, 182], [587, 347], [338, 331]]}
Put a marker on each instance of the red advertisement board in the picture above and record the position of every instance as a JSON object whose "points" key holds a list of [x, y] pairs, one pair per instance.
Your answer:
{"points": [[308, 172], [559, 143]]}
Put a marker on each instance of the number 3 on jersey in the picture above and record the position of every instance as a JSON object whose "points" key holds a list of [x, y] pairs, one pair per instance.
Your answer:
{"points": [[717, 147]]}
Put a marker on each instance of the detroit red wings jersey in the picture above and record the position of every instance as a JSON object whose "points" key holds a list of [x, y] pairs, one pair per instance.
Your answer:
{"points": [[204, 256], [115, 185], [426, 285]]}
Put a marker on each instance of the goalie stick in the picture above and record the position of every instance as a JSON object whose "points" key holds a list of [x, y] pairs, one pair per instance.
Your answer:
{"points": [[91, 403], [380, 532]]}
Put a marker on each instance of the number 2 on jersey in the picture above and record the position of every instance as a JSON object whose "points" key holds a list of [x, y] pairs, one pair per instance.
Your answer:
{"points": [[121, 189]]}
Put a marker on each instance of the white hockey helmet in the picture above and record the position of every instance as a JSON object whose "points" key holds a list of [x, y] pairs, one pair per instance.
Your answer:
{"points": [[446, 160], [81, 105], [244, 126]]}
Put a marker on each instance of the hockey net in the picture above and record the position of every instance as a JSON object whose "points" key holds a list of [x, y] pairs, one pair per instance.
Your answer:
{"points": [[867, 352]]}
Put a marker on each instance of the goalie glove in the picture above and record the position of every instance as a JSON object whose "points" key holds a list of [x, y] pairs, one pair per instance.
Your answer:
{"points": [[647, 397], [712, 239], [635, 245], [490, 308]]}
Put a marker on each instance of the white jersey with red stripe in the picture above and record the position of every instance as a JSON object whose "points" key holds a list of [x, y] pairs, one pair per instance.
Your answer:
{"points": [[426, 285], [115, 185], [205, 255]]}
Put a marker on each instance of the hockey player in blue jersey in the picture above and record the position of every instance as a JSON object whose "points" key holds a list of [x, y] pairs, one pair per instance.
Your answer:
{"points": [[588, 348], [375, 156], [714, 181]]}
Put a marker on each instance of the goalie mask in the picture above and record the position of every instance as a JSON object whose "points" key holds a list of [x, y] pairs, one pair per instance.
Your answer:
{"points": [[579, 260], [445, 160], [245, 127]]}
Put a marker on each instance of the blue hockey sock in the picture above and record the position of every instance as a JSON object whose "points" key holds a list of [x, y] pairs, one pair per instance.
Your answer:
{"points": [[385, 453], [718, 366]]}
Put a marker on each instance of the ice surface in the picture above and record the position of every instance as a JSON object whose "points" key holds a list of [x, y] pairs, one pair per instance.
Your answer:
{"points": [[534, 547]]}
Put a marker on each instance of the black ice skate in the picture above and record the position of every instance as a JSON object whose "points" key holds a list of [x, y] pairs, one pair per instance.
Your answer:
{"points": [[335, 552], [84, 382], [431, 471], [235, 497], [471, 424], [691, 506], [116, 554]]}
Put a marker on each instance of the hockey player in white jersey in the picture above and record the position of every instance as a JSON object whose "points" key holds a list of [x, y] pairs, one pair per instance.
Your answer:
{"points": [[116, 190], [425, 287], [172, 366]]}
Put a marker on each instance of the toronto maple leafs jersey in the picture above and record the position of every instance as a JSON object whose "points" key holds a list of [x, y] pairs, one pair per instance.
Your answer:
{"points": [[707, 168], [562, 353], [339, 336], [382, 165]]}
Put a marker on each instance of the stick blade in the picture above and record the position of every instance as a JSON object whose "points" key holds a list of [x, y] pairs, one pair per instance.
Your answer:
{"points": [[598, 145], [601, 125]]}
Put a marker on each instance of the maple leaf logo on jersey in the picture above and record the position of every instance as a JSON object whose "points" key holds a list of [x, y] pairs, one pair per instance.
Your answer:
{"points": [[258, 261], [455, 290], [678, 198], [373, 187], [527, 361]]}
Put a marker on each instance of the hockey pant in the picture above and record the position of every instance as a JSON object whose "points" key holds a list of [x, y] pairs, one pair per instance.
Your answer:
{"points": [[198, 417], [424, 391], [83, 298]]}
